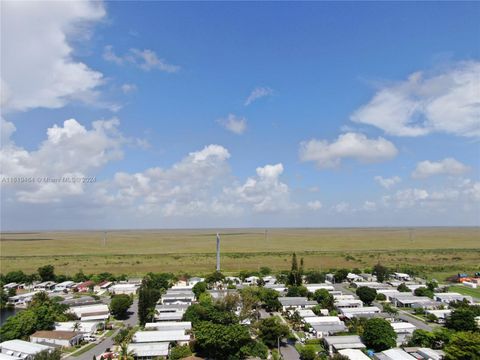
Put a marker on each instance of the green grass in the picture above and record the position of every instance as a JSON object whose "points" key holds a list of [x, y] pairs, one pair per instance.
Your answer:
{"points": [[442, 251], [465, 291], [84, 349]]}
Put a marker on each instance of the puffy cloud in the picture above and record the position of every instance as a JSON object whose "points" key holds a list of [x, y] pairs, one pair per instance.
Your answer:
{"points": [[349, 145], [265, 192], [447, 102], [258, 93], [189, 187], [447, 166], [407, 197], [145, 59], [387, 183], [342, 207], [38, 67], [235, 124], [314, 205], [128, 88], [69, 151], [369, 206]]}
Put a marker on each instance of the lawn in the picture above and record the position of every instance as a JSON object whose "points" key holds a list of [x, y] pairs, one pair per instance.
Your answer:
{"points": [[465, 291], [443, 251]]}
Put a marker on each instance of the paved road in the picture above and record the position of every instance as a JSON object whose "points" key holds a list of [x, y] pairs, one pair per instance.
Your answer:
{"points": [[289, 352], [108, 342], [402, 315]]}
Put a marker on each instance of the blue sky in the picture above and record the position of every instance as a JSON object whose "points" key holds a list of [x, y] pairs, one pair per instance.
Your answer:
{"points": [[241, 114]]}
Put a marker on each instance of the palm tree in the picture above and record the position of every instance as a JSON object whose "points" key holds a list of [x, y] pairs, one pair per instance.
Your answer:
{"points": [[75, 328], [124, 354], [151, 314]]}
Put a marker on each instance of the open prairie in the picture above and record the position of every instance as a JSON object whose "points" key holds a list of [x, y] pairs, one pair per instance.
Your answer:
{"points": [[439, 251]]}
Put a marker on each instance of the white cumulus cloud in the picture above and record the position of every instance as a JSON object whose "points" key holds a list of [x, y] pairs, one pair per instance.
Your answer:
{"points": [[264, 192], [234, 124], [447, 166], [314, 205], [349, 145], [447, 102], [38, 64], [145, 59], [387, 183]]}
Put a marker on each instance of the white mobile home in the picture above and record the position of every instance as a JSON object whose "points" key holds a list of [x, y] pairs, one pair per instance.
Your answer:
{"points": [[22, 349]]}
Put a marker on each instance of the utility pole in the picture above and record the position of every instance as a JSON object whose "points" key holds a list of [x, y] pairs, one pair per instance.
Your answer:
{"points": [[218, 252]]}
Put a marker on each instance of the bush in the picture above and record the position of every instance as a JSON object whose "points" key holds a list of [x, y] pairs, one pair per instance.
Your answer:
{"points": [[254, 349], [381, 297], [423, 291], [307, 352], [180, 352]]}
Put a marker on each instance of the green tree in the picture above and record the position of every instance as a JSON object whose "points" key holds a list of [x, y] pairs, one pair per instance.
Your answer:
{"points": [[379, 334], [403, 288], [124, 353], [381, 297], [46, 273], [16, 277], [215, 277], [315, 277], [55, 354], [119, 305], [3, 298], [41, 314], [381, 272], [432, 285], [294, 277], [295, 291], [265, 270], [179, 352], [269, 298], [255, 349], [199, 288], [147, 299], [462, 319], [366, 294], [307, 352], [123, 335], [423, 291], [422, 338], [340, 275], [219, 341], [463, 346], [270, 330], [324, 299]]}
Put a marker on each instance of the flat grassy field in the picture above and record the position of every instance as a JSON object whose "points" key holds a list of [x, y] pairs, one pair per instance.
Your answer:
{"points": [[465, 291], [439, 251]]}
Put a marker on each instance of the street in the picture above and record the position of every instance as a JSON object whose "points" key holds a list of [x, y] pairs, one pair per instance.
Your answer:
{"points": [[108, 342]]}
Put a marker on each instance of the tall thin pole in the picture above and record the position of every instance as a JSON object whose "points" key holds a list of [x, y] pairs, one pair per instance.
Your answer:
{"points": [[104, 238], [218, 252]]}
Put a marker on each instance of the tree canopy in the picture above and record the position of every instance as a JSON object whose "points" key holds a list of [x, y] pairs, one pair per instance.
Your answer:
{"points": [[366, 294], [218, 341], [270, 330], [463, 346], [379, 335], [119, 305]]}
